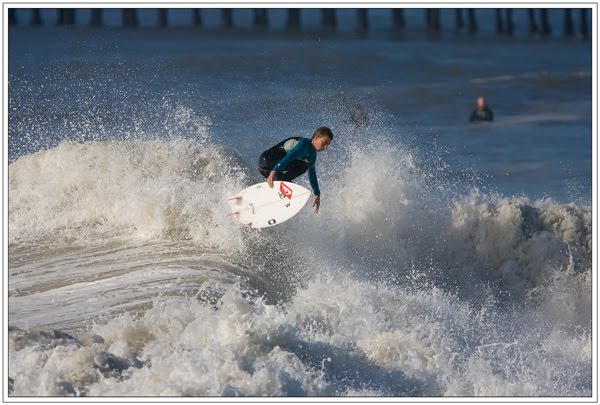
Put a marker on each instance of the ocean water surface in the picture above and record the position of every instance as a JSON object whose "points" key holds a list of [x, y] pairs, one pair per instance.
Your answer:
{"points": [[448, 258]]}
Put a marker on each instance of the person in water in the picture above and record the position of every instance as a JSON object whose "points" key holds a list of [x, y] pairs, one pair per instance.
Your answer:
{"points": [[482, 112], [292, 157], [358, 118]]}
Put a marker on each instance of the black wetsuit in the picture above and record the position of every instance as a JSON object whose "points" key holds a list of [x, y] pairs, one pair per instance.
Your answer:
{"points": [[482, 115], [290, 158]]}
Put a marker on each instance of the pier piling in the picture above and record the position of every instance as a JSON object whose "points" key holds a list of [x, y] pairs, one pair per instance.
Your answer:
{"points": [[362, 21], [472, 23], [545, 28], [260, 18], [432, 20], [510, 25], [583, 29], [504, 25], [293, 19], [226, 18], [196, 18], [130, 18], [328, 21], [36, 17], [533, 28], [568, 23], [458, 20], [398, 23], [12, 16], [161, 21], [66, 16], [96, 17], [499, 22]]}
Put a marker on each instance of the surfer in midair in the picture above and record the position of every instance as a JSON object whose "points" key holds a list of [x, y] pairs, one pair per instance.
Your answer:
{"points": [[294, 156]]}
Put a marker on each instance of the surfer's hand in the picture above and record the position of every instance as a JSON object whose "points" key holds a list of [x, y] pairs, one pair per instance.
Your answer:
{"points": [[317, 203], [271, 178]]}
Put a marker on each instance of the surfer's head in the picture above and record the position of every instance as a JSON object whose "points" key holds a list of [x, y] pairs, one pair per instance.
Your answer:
{"points": [[322, 138]]}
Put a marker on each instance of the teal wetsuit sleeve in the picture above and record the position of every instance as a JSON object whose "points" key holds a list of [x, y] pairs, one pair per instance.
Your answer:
{"points": [[292, 155], [312, 177]]}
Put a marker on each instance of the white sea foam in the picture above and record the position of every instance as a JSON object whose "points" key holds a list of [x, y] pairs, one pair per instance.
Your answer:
{"points": [[336, 337], [399, 286], [132, 189]]}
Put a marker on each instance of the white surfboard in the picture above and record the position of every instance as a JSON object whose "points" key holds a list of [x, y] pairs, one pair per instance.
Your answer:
{"points": [[260, 206]]}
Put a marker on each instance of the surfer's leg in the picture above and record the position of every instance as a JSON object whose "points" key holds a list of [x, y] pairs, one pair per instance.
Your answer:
{"points": [[266, 162], [265, 172]]}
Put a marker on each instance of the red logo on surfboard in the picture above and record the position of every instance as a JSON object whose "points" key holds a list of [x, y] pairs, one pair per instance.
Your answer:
{"points": [[285, 190]]}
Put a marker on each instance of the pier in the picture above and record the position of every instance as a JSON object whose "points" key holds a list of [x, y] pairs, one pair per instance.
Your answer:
{"points": [[573, 22]]}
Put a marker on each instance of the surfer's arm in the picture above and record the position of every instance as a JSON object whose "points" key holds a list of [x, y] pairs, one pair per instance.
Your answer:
{"points": [[312, 178], [271, 178]]}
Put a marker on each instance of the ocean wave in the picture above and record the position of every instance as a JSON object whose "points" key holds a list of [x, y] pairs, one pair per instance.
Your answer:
{"points": [[141, 189], [400, 286], [392, 213]]}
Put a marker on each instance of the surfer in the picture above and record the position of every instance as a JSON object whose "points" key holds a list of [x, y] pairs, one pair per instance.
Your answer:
{"points": [[294, 156], [482, 112], [358, 118]]}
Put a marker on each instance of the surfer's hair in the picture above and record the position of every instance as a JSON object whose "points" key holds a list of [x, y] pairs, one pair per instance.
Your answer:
{"points": [[323, 131]]}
